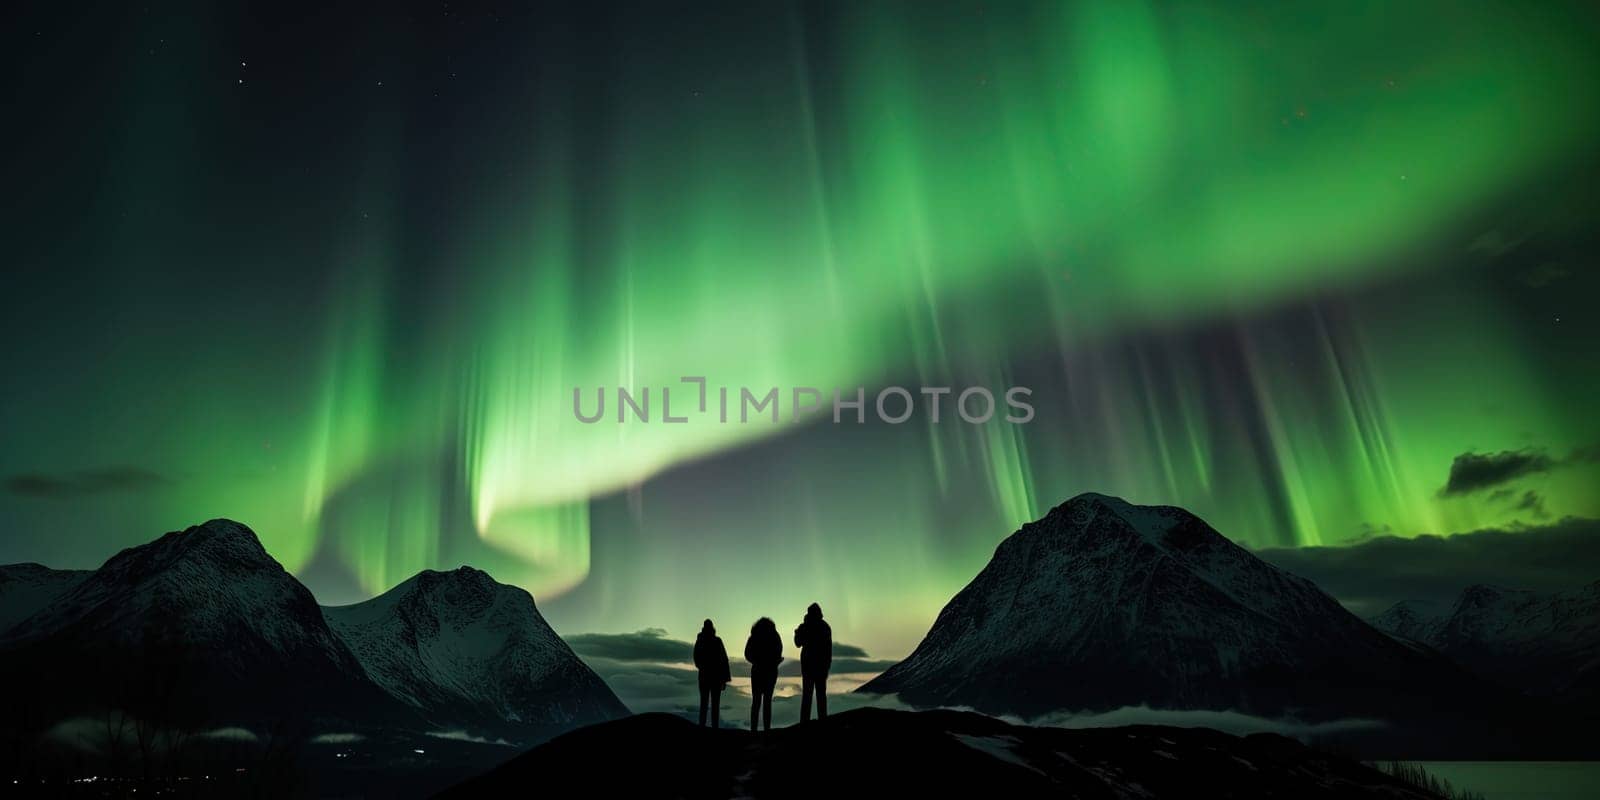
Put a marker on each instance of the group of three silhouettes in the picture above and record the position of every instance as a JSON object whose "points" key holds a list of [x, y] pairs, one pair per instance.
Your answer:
{"points": [[764, 650]]}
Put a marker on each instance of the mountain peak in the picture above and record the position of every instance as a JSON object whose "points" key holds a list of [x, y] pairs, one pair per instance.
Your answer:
{"points": [[1141, 605], [1167, 528], [460, 646], [206, 603], [215, 539], [1488, 591], [460, 576], [208, 606], [466, 589], [1092, 501], [1416, 620], [1095, 497], [1539, 642]]}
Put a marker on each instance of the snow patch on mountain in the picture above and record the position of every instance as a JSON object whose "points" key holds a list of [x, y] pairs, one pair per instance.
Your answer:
{"points": [[461, 647], [1412, 620], [26, 588], [1542, 643], [200, 628], [1103, 604], [212, 585]]}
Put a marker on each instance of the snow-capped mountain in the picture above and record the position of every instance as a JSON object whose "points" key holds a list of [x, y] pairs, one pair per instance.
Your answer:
{"points": [[26, 588], [1413, 620], [206, 625], [1103, 604], [466, 651], [1540, 643], [201, 624]]}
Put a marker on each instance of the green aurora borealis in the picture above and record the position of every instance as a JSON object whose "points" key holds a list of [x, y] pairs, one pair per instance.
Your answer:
{"points": [[337, 278]]}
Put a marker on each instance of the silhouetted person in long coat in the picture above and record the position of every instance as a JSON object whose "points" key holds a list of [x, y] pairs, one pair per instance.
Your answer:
{"points": [[815, 640], [764, 649], [711, 658]]}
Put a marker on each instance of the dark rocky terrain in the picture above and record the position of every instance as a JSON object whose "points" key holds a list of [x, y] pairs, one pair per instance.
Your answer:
{"points": [[880, 753]]}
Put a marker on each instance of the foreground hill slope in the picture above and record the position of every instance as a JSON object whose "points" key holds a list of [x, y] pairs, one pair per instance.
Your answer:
{"points": [[871, 752]]}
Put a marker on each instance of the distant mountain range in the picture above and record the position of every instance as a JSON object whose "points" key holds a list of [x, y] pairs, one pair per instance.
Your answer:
{"points": [[1542, 644], [1103, 605], [203, 629]]}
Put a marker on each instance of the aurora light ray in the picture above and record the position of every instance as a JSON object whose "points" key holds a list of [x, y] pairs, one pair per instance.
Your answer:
{"points": [[1185, 227]]}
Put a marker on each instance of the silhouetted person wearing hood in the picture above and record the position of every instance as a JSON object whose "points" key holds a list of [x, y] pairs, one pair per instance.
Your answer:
{"points": [[764, 649], [711, 658], [815, 640]]}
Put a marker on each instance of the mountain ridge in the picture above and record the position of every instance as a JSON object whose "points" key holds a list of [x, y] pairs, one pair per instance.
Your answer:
{"points": [[1102, 604], [448, 641], [27, 586], [203, 627], [1546, 644]]}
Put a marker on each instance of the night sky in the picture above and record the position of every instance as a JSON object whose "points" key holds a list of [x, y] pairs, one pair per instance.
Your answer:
{"points": [[1318, 274]]}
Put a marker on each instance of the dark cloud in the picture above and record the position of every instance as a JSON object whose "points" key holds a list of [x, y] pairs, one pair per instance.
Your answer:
{"points": [[650, 688], [1471, 472], [847, 650], [650, 644], [1371, 576], [1494, 244], [791, 666], [85, 482], [1532, 502], [1545, 274]]}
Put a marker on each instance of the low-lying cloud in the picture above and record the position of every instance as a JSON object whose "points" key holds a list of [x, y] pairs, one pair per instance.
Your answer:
{"points": [[1237, 723], [463, 736], [650, 671], [85, 483], [650, 644], [337, 738], [1371, 576], [231, 734]]}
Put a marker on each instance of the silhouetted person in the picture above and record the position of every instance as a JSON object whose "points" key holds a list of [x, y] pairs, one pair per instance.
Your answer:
{"points": [[815, 640], [711, 658], [764, 649]]}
